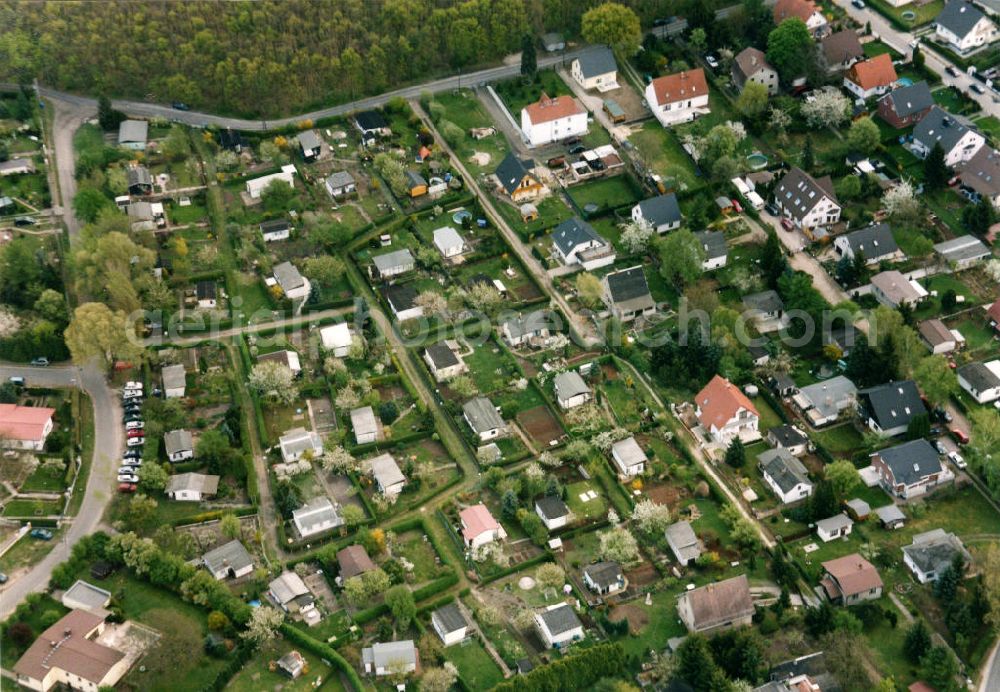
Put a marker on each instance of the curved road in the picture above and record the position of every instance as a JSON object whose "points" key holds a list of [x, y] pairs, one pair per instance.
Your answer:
{"points": [[108, 440]]}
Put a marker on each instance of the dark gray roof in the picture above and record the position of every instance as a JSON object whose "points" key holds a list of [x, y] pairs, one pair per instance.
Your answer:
{"points": [[788, 436], [963, 248], [551, 507], [911, 461], [560, 619], [765, 301], [629, 290], [133, 131], [309, 140], [274, 225], [178, 441], [340, 179], [959, 17], [661, 210], [604, 574], [288, 276], [893, 404], [933, 551], [205, 290], [450, 618], [371, 120], [482, 414], [979, 377], [530, 323], [393, 260], [400, 297], [441, 355], [573, 232], [138, 175], [799, 192], [512, 170], [939, 126], [232, 555], [890, 513], [415, 179], [872, 241], [910, 99], [713, 242], [783, 468], [597, 61]]}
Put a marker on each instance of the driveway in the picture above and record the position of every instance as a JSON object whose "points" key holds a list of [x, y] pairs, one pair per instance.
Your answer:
{"points": [[108, 443], [68, 118]]}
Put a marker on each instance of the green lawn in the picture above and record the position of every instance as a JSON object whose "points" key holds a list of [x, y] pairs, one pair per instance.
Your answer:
{"points": [[953, 101], [592, 509], [842, 439], [663, 154], [255, 300], [662, 624], [257, 676], [551, 212], [47, 478], [420, 554], [606, 193], [516, 94], [490, 368], [991, 126], [475, 666], [873, 48], [193, 213], [924, 13], [32, 508]]}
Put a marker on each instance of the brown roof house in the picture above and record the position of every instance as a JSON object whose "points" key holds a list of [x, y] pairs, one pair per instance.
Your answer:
{"points": [[354, 560], [806, 10], [722, 605], [67, 653], [841, 50], [750, 65], [850, 580]]}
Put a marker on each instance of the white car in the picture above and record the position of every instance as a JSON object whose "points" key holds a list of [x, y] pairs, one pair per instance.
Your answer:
{"points": [[133, 464], [136, 441], [135, 425], [128, 478], [133, 385], [132, 394], [957, 459]]}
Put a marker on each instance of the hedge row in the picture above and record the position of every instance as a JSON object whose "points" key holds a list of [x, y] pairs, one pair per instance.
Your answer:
{"points": [[571, 673], [325, 652]]}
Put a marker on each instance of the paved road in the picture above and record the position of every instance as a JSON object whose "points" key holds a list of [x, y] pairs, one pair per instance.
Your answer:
{"points": [[68, 118], [900, 41], [108, 443]]}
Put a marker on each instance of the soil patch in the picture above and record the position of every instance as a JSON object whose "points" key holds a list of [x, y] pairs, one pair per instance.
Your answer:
{"points": [[637, 616], [540, 425]]}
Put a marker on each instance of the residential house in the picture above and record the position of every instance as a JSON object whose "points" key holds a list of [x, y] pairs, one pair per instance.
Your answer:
{"points": [[290, 359], [595, 68], [981, 173], [310, 144], [145, 216], [179, 445], [760, 355], [888, 408], [725, 412], [831, 528], [19, 167], [337, 338], [788, 437], [85, 596], [872, 77], [292, 664], [133, 134], [535, 326], [840, 50], [766, 310], [389, 479], [552, 511], [140, 182], [207, 294], [575, 241], [340, 183], [678, 98], [444, 360], [806, 201], [964, 251], [450, 624], [558, 626], [449, 242], [937, 336], [717, 606], [415, 184], [806, 10], [662, 213], [292, 283], [604, 578], [553, 119], [906, 105], [25, 427], [290, 593], [316, 516], [255, 187], [298, 442], [192, 487], [910, 469], [893, 289], [393, 263], [628, 457], [372, 125], [479, 527], [275, 230], [229, 560], [851, 579], [571, 390], [891, 516], [932, 552], [959, 141], [484, 419], [785, 475], [822, 403], [993, 316], [516, 178], [713, 243], [402, 300], [353, 561], [390, 658], [981, 380], [750, 65], [874, 243], [174, 381], [364, 424], [963, 27], [627, 295], [683, 542], [68, 654]]}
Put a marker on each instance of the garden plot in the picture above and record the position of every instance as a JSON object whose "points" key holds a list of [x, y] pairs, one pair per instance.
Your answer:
{"points": [[540, 425]]}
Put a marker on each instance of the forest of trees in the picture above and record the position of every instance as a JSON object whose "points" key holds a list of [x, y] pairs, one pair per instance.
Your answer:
{"points": [[268, 58]]}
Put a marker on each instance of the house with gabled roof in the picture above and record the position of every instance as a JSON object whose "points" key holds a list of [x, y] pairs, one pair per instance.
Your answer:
{"points": [[192, 487], [721, 605], [571, 390], [725, 412], [297, 442], [553, 119], [893, 289], [293, 285], [402, 300], [483, 418], [479, 527], [713, 243], [353, 561], [963, 252], [393, 263], [558, 626], [806, 201], [364, 425], [133, 134], [516, 177], [315, 516], [23, 166], [980, 380], [891, 516], [841, 49], [683, 542], [838, 526], [851, 579], [372, 124], [982, 174], [823, 402], [390, 658], [256, 186], [871, 77], [964, 27], [910, 469], [174, 380], [604, 578], [785, 475], [528, 328], [595, 68], [552, 511], [388, 476], [337, 338], [906, 105], [788, 437], [310, 144], [449, 242], [275, 229], [140, 182], [932, 552], [626, 293], [993, 315], [628, 457], [806, 10], [25, 427], [937, 336], [750, 65], [678, 98], [574, 241], [958, 140], [290, 593], [875, 243], [662, 213], [340, 183], [229, 560], [888, 408]]}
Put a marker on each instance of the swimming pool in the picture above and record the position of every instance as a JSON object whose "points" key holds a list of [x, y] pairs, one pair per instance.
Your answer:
{"points": [[757, 160]]}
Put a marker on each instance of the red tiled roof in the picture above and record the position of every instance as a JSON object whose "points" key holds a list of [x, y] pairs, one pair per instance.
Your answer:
{"points": [[994, 313], [680, 86], [876, 72], [719, 402], [24, 422], [477, 520], [548, 109], [787, 9]]}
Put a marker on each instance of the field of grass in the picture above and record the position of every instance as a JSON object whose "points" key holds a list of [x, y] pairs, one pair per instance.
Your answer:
{"points": [[490, 368], [841, 439], [47, 478], [991, 126], [420, 554], [475, 666], [591, 509], [873, 48], [607, 193], [924, 13], [664, 156], [516, 94], [953, 101], [32, 508], [551, 212], [257, 674]]}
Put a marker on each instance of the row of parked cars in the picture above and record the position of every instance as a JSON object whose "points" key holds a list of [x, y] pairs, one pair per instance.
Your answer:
{"points": [[135, 437]]}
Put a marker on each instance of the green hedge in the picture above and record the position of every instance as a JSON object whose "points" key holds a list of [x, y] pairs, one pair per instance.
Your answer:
{"points": [[537, 560], [571, 673], [327, 653]]}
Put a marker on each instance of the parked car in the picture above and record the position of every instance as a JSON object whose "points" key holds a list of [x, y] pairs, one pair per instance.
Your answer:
{"points": [[181, 106], [578, 149], [127, 470], [942, 414], [135, 433], [3, 578], [16, 380], [712, 61], [571, 141], [978, 89], [127, 487], [132, 454], [131, 384], [128, 478], [860, 4], [951, 71], [41, 534], [941, 449], [135, 441], [135, 425], [957, 459], [737, 206], [133, 462], [771, 208], [556, 162], [959, 436], [41, 361], [132, 394], [24, 221], [787, 224]]}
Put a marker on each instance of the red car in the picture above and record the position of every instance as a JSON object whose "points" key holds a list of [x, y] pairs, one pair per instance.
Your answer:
{"points": [[136, 433], [126, 487], [737, 206], [959, 436], [787, 224]]}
